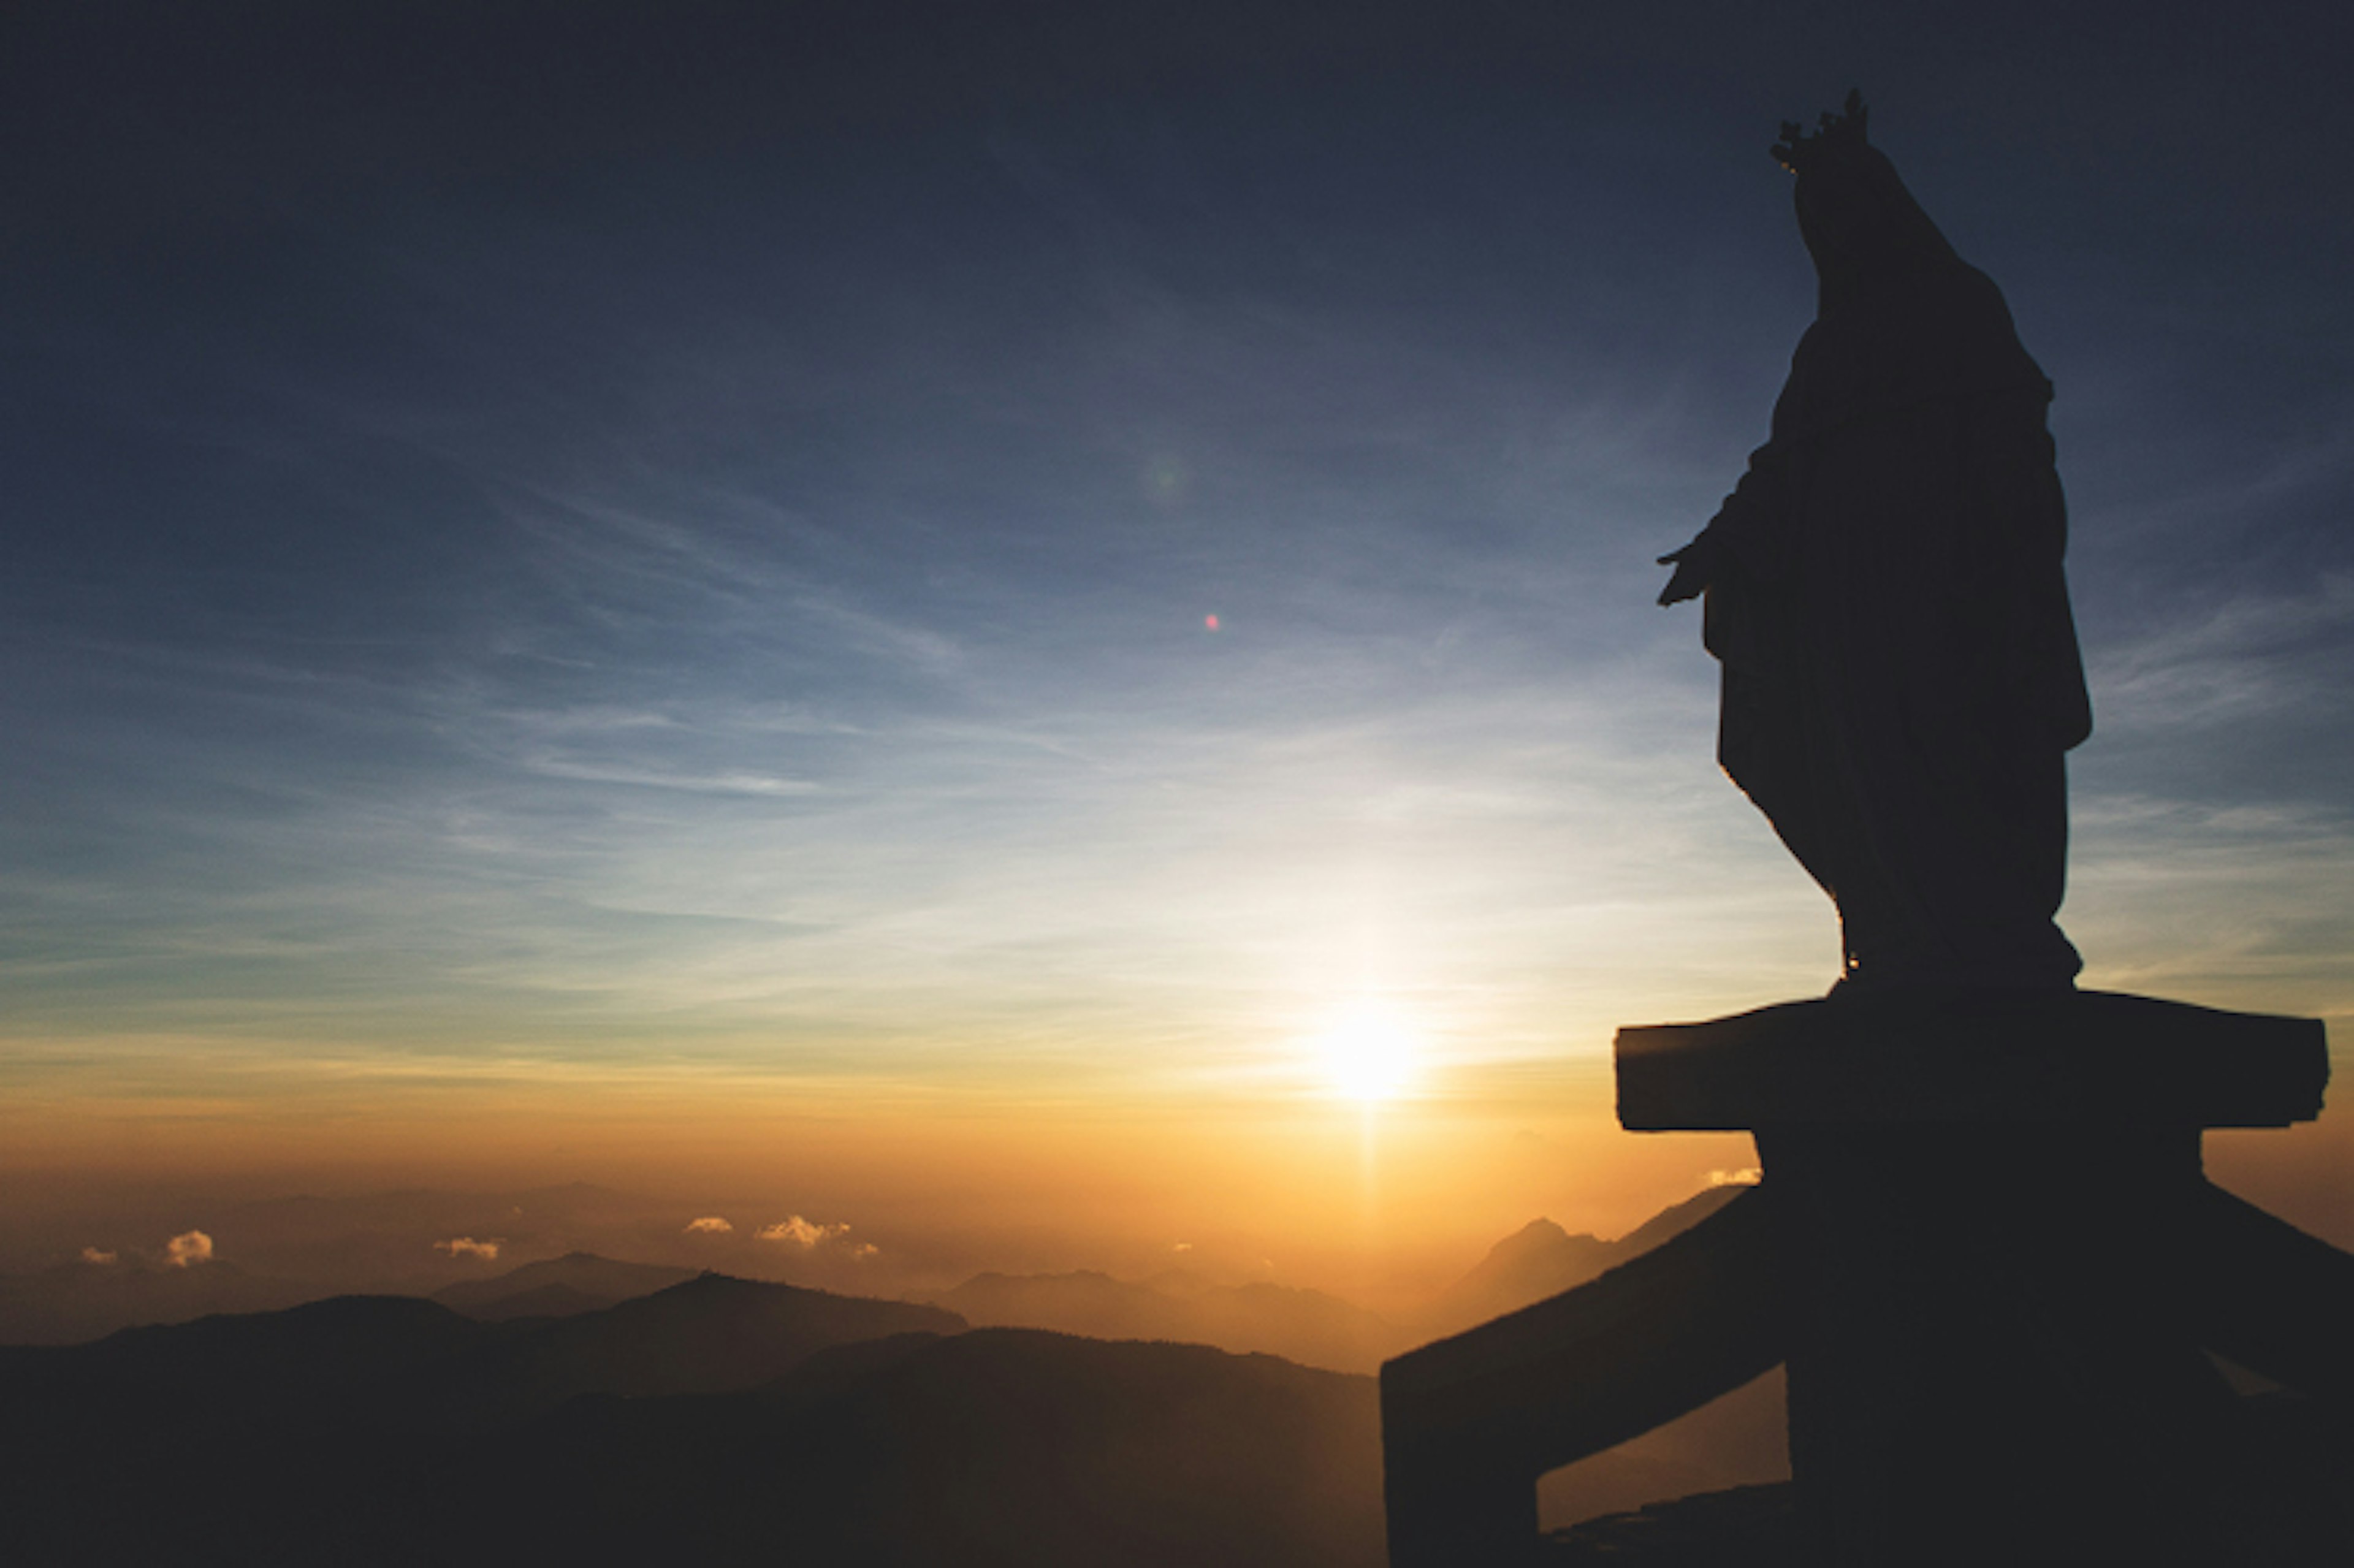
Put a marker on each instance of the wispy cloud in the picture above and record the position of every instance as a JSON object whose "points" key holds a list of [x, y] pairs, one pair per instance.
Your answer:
{"points": [[709, 1225], [652, 779], [2213, 839], [468, 1246], [2248, 656]]}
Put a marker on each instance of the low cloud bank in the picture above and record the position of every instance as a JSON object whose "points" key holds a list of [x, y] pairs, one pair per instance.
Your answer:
{"points": [[187, 1248], [467, 1246]]}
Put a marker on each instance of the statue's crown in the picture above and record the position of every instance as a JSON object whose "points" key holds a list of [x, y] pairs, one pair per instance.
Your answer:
{"points": [[1797, 146]]}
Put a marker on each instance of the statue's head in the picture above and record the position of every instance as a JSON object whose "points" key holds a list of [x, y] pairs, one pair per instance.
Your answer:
{"points": [[1861, 224]]}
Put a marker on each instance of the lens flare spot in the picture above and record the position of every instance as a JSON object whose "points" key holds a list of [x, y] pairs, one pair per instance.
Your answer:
{"points": [[1211, 621], [1166, 480]]}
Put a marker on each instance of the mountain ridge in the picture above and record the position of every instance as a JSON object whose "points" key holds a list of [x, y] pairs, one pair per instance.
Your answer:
{"points": [[592, 1280]]}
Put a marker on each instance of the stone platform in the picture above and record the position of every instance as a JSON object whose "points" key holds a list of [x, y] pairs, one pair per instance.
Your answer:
{"points": [[1986, 1250]]}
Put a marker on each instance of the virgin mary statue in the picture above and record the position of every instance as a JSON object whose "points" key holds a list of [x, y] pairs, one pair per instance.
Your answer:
{"points": [[1884, 593]]}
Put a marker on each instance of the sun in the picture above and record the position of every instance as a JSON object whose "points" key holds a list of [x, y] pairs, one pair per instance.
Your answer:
{"points": [[1368, 1055]]}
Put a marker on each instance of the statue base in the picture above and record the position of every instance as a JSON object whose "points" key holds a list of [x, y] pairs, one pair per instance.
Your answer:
{"points": [[1987, 1250]]}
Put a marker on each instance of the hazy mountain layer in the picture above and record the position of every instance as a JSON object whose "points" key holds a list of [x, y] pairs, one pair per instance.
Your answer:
{"points": [[734, 1419], [1305, 1326], [381, 1430], [75, 1302], [558, 1287], [1311, 1326], [1540, 1260]]}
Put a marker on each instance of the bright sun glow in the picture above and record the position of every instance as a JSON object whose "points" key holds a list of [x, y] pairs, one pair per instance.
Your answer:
{"points": [[1368, 1055]]}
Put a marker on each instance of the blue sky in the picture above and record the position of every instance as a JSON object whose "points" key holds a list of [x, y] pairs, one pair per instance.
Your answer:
{"points": [[679, 540]]}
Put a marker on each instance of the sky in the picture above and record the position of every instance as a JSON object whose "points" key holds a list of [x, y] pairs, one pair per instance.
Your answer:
{"points": [[929, 596]]}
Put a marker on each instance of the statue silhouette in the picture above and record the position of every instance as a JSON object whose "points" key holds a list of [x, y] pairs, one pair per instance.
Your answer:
{"points": [[1985, 1249], [1885, 592]]}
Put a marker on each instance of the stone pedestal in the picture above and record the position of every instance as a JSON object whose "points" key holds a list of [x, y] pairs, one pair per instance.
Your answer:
{"points": [[1986, 1248], [1987, 1362], [1990, 1206]]}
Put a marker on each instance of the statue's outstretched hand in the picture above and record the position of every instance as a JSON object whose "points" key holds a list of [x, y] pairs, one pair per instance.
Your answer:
{"points": [[1695, 566]]}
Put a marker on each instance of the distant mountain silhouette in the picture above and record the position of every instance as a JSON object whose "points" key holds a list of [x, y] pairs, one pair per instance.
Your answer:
{"points": [[1540, 1260], [710, 1334], [76, 1302], [995, 1446], [544, 1301], [383, 1430], [722, 1420], [236, 1361], [1674, 1220], [1308, 1326], [401, 1362], [558, 1287]]}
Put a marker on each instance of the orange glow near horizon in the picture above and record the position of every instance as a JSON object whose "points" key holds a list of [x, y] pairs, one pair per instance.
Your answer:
{"points": [[1272, 1183], [1367, 1151]]}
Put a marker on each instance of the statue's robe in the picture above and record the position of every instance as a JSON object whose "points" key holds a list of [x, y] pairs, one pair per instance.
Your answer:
{"points": [[1901, 675]]}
